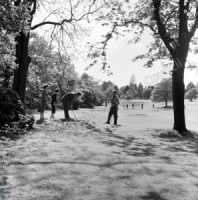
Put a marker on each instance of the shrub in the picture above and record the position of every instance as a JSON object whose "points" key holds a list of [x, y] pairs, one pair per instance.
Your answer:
{"points": [[10, 106], [12, 120], [87, 99], [12, 130], [98, 96]]}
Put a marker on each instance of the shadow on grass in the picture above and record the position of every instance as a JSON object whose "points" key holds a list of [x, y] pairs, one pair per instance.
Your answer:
{"points": [[188, 144], [165, 108], [128, 145], [152, 196]]}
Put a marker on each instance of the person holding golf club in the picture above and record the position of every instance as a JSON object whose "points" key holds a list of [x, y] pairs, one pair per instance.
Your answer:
{"points": [[114, 108], [68, 100]]}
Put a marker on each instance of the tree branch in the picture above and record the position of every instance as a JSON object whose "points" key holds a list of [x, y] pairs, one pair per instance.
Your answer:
{"points": [[161, 27]]}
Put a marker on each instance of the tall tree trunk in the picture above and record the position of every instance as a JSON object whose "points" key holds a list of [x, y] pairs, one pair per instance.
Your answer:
{"points": [[178, 95], [23, 61]]}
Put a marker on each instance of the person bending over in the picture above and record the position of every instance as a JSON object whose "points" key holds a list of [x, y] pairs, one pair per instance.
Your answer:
{"points": [[67, 101]]}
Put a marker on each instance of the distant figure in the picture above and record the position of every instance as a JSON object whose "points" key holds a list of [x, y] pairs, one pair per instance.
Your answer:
{"points": [[127, 106], [114, 108], [67, 101], [106, 103], [153, 105], [43, 101], [54, 102], [142, 106], [133, 105]]}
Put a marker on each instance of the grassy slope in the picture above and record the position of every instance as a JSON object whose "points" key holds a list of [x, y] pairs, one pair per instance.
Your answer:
{"points": [[141, 159]]}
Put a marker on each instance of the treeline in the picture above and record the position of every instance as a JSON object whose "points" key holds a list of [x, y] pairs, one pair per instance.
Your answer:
{"points": [[56, 69]]}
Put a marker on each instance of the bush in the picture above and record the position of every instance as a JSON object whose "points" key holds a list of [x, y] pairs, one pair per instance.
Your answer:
{"points": [[98, 96], [10, 106], [87, 99], [12, 120], [12, 130]]}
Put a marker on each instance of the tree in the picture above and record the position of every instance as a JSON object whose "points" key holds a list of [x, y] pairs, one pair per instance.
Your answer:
{"points": [[147, 92], [140, 90], [106, 84], [11, 22], [162, 91], [63, 19], [190, 86], [191, 94], [48, 66], [172, 24]]}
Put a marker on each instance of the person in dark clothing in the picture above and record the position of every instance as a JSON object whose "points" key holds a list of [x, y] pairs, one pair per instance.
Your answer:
{"points": [[133, 105], [114, 108], [43, 101], [67, 101], [54, 102], [142, 106], [127, 106]]}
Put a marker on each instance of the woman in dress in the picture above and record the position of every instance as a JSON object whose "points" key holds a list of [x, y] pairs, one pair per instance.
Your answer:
{"points": [[43, 101]]}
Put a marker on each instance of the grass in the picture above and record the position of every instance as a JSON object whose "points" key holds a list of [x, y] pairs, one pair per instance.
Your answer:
{"points": [[142, 158]]}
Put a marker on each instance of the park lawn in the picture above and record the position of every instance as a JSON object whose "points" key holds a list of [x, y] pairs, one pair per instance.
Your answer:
{"points": [[141, 158]]}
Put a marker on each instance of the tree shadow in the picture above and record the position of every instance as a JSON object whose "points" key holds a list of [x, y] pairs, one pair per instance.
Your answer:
{"points": [[128, 144], [188, 144], [152, 195]]}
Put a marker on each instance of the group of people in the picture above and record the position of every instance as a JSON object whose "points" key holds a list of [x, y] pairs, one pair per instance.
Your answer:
{"points": [[127, 106], [68, 100]]}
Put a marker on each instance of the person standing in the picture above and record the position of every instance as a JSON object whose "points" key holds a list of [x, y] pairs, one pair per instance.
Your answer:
{"points": [[114, 108], [67, 101], [54, 102], [43, 101]]}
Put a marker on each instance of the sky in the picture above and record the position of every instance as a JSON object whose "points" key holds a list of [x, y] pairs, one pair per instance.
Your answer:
{"points": [[120, 55]]}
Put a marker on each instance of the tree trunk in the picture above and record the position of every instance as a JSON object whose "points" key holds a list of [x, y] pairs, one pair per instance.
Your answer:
{"points": [[23, 61], [178, 96]]}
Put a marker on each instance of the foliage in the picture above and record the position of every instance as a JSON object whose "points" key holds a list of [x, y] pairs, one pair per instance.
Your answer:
{"points": [[21, 126], [190, 86], [109, 92], [50, 67], [106, 84], [87, 99], [127, 16], [98, 96], [140, 90], [10, 105], [12, 120], [162, 91], [13, 18], [191, 94], [147, 92], [7, 57]]}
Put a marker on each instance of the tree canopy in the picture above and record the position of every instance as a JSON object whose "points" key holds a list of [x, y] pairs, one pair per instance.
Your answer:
{"points": [[162, 92]]}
